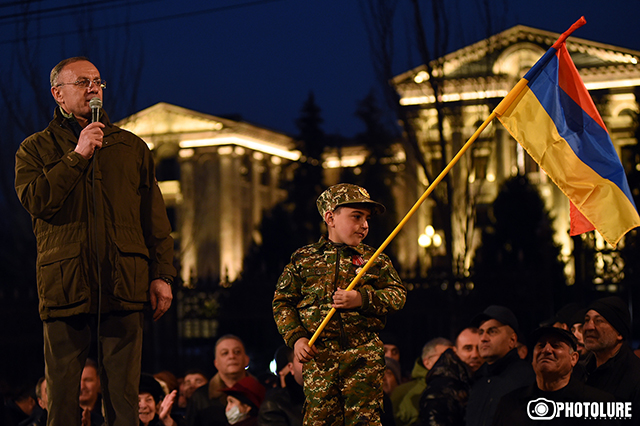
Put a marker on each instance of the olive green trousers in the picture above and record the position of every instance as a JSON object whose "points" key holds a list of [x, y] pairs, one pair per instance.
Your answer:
{"points": [[66, 347]]}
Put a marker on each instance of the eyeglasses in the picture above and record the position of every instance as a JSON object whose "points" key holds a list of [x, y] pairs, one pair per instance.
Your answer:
{"points": [[85, 83]]}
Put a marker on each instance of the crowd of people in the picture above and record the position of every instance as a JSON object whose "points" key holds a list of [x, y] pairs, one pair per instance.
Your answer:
{"points": [[578, 368], [232, 396], [480, 377]]}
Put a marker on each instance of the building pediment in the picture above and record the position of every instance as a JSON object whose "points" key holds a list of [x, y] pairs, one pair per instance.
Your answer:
{"points": [[166, 119], [493, 64], [169, 124]]}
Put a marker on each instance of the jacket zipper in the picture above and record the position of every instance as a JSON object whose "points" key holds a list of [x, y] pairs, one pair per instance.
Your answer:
{"points": [[343, 341]]}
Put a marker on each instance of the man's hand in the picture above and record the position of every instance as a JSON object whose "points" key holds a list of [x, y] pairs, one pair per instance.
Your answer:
{"points": [[343, 299], [90, 139], [303, 352], [161, 297], [86, 417]]}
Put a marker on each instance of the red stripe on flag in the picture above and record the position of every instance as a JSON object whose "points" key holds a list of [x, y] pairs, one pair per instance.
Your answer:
{"points": [[571, 83], [579, 223]]}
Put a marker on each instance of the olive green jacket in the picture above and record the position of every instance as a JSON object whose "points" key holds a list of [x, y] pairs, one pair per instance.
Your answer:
{"points": [[121, 218]]}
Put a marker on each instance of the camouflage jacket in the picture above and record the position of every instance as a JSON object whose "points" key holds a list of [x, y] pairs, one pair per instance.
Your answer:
{"points": [[304, 292]]}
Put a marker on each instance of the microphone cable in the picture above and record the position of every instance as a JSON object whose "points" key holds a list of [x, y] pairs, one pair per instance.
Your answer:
{"points": [[95, 105], [94, 191]]}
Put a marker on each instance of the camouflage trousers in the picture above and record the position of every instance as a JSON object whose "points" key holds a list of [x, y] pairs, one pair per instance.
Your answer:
{"points": [[344, 387]]}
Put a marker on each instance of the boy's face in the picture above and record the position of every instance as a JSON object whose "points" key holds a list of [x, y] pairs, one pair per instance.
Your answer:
{"points": [[348, 225]]}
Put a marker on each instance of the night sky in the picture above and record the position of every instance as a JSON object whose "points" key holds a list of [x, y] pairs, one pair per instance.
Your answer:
{"points": [[260, 59]]}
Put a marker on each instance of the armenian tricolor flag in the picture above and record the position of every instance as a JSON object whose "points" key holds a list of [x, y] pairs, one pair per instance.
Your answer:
{"points": [[551, 114]]}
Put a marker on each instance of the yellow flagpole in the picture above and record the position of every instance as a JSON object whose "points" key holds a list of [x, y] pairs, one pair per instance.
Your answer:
{"points": [[415, 207]]}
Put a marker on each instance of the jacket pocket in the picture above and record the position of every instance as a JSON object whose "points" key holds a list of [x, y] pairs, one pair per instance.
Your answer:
{"points": [[318, 281], [310, 311], [62, 278], [131, 272]]}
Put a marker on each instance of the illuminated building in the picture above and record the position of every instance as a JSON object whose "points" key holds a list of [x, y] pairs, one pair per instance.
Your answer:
{"points": [[472, 81], [217, 176]]}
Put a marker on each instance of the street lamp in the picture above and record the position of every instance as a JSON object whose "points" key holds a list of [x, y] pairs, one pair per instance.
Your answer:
{"points": [[430, 238]]}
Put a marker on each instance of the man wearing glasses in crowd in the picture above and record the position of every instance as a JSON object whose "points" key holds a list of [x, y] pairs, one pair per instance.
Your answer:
{"points": [[104, 249]]}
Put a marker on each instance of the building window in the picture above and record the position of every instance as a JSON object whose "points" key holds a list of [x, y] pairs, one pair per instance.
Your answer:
{"points": [[480, 162]]}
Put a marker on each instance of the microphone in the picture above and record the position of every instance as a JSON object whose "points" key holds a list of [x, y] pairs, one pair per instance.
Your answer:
{"points": [[95, 105]]}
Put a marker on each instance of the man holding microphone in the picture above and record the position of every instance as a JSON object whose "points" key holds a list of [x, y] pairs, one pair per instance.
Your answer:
{"points": [[103, 242]]}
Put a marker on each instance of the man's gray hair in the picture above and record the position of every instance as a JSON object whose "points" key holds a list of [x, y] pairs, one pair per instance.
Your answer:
{"points": [[227, 337], [430, 346], [55, 72]]}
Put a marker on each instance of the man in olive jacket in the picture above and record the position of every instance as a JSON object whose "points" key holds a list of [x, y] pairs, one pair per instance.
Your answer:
{"points": [[103, 242]]}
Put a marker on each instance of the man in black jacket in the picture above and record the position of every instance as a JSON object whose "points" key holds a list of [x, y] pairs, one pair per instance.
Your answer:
{"points": [[611, 366], [503, 370]]}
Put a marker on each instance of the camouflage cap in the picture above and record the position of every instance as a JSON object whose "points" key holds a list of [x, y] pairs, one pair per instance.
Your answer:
{"points": [[343, 194]]}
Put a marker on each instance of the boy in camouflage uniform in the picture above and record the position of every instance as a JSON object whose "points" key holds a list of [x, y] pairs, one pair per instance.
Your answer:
{"points": [[343, 371]]}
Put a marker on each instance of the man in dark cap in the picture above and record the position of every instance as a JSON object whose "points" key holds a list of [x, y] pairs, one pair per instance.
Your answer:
{"points": [[570, 317], [554, 356], [611, 366], [503, 370], [390, 343]]}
